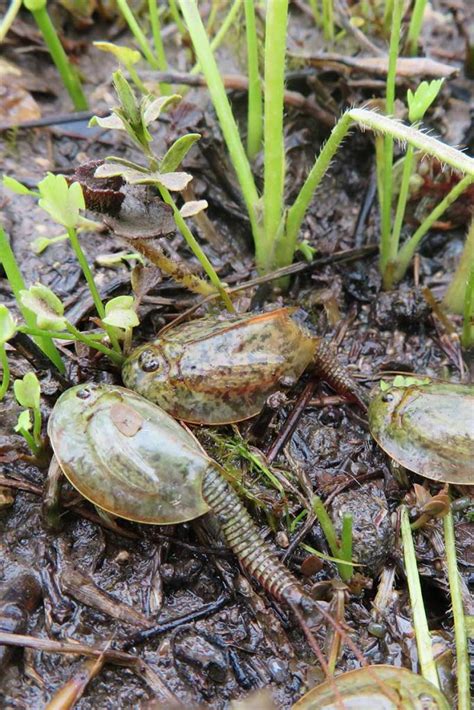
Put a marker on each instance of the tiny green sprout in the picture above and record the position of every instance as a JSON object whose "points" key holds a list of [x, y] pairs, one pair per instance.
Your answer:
{"points": [[307, 250], [60, 200], [420, 100], [7, 331], [46, 306], [39, 244], [17, 187], [120, 313], [27, 393], [122, 317]]}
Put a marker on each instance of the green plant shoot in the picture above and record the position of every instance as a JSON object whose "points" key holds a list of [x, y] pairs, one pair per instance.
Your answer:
{"points": [[27, 393], [7, 331]]}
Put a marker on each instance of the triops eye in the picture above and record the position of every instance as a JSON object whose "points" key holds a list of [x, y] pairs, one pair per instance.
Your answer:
{"points": [[148, 361], [387, 397]]}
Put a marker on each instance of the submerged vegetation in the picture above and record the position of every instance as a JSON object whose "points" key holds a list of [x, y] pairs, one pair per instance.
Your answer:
{"points": [[200, 213]]}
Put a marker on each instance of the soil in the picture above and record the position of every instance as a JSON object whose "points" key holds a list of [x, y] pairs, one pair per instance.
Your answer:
{"points": [[220, 637]]}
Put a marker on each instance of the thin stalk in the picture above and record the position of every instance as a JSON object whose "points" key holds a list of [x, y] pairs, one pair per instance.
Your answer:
{"points": [[34, 448], [455, 297], [37, 427], [59, 57], [80, 256], [387, 16], [297, 211], [414, 29], [254, 111], [15, 279], [5, 372], [9, 18], [386, 196], [345, 553], [227, 23], [460, 631], [137, 32], [274, 149], [158, 42], [467, 337], [314, 5], [408, 249], [420, 624], [402, 202], [328, 20], [196, 249], [177, 18], [115, 356], [226, 119]]}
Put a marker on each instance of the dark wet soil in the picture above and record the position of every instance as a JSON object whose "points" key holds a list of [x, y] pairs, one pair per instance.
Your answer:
{"points": [[88, 584]]}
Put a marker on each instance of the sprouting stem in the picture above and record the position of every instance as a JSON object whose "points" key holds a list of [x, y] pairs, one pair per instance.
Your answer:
{"points": [[273, 139], [254, 112], [5, 371], [345, 553], [328, 20], [58, 55], [89, 340], [15, 279], [195, 248], [72, 234], [401, 204], [420, 624], [227, 23], [158, 42], [460, 631], [138, 34], [37, 427], [385, 197], [408, 249], [467, 337], [9, 18], [416, 24]]}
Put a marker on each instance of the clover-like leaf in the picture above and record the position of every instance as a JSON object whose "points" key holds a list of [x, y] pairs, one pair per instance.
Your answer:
{"points": [[27, 391], [108, 170], [193, 207], [119, 312], [24, 421], [174, 181], [152, 108], [420, 100], [17, 187], [177, 152], [60, 200], [7, 325], [126, 55], [46, 306]]}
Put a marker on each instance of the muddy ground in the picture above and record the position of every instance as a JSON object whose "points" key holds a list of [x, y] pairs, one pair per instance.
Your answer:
{"points": [[86, 583]]}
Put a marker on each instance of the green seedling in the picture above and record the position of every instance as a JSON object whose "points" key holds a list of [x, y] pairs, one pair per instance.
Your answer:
{"points": [[120, 315], [58, 55], [48, 311], [9, 18], [341, 550], [255, 101], [134, 117], [459, 297], [27, 394], [275, 226], [7, 331], [416, 23], [15, 279]]}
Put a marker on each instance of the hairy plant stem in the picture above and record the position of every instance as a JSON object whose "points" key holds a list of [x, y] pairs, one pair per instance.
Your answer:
{"points": [[59, 57], [15, 279]]}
